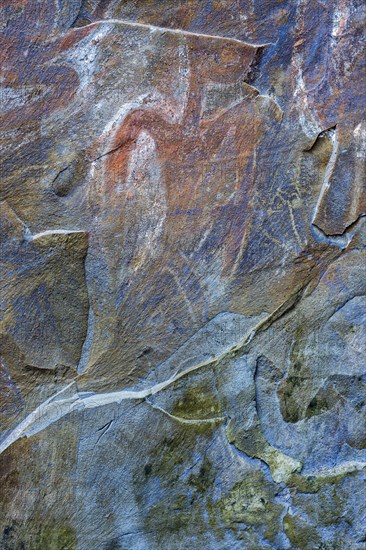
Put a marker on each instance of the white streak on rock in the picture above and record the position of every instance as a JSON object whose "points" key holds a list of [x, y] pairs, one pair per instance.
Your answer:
{"points": [[50, 232], [328, 172], [165, 30], [340, 469], [55, 408], [192, 421]]}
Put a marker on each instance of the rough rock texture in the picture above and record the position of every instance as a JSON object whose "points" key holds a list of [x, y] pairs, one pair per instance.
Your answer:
{"points": [[183, 275]]}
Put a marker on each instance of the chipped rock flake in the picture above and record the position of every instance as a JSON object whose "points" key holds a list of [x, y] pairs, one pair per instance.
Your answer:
{"points": [[182, 275]]}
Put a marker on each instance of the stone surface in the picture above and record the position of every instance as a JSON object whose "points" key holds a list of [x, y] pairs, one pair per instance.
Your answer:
{"points": [[183, 275]]}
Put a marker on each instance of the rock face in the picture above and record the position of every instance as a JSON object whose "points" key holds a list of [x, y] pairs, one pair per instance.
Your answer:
{"points": [[183, 275]]}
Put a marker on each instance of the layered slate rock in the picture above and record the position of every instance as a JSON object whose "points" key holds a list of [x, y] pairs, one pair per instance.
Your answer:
{"points": [[183, 275], [46, 303], [44, 309]]}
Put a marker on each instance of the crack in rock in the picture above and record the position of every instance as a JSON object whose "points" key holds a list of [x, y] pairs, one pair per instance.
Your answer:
{"points": [[192, 421], [165, 30], [56, 407], [342, 239]]}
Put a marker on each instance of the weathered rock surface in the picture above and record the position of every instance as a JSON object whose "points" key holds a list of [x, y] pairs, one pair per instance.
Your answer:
{"points": [[183, 275]]}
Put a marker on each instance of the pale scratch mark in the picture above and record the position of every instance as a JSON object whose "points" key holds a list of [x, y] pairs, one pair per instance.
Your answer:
{"points": [[88, 342], [328, 173], [166, 30], [191, 421], [53, 232], [293, 224], [182, 289], [21, 428], [272, 238], [53, 409], [341, 469]]}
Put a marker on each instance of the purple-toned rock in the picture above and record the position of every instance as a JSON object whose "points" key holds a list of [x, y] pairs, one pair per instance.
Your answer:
{"points": [[182, 275]]}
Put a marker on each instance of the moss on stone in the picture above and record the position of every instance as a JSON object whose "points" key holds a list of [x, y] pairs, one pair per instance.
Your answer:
{"points": [[57, 537], [301, 534], [313, 484], [197, 402], [250, 503], [184, 480], [295, 390]]}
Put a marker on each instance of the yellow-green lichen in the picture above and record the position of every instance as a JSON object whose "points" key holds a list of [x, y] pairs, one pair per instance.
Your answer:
{"points": [[250, 503], [197, 402], [57, 537], [301, 534]]}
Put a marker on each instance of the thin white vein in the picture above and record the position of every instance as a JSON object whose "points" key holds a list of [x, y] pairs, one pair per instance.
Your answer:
{"points": [[340, 469], [164, 30], [182, 420], [328, 173], [53, 232], [53, 409]]}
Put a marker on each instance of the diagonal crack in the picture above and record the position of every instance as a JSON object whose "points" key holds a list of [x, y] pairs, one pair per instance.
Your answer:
{"points": [[340, 239], [57, 407], [192, 421], [164, 30]]}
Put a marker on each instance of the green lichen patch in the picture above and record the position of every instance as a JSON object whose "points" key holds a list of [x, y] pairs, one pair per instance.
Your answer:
{"points": [[197, 402], [326, 512], [55, 536], [301, 534], [52, 535], [296, 390], [313, 484], [250, 505], [176, 482], [202, 481], [185, 478]]}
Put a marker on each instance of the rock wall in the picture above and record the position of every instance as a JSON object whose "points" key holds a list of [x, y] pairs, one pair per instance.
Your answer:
{"points": [[183, 275]]}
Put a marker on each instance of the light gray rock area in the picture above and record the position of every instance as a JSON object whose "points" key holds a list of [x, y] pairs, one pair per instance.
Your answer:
{"points": [[183, 275]]}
